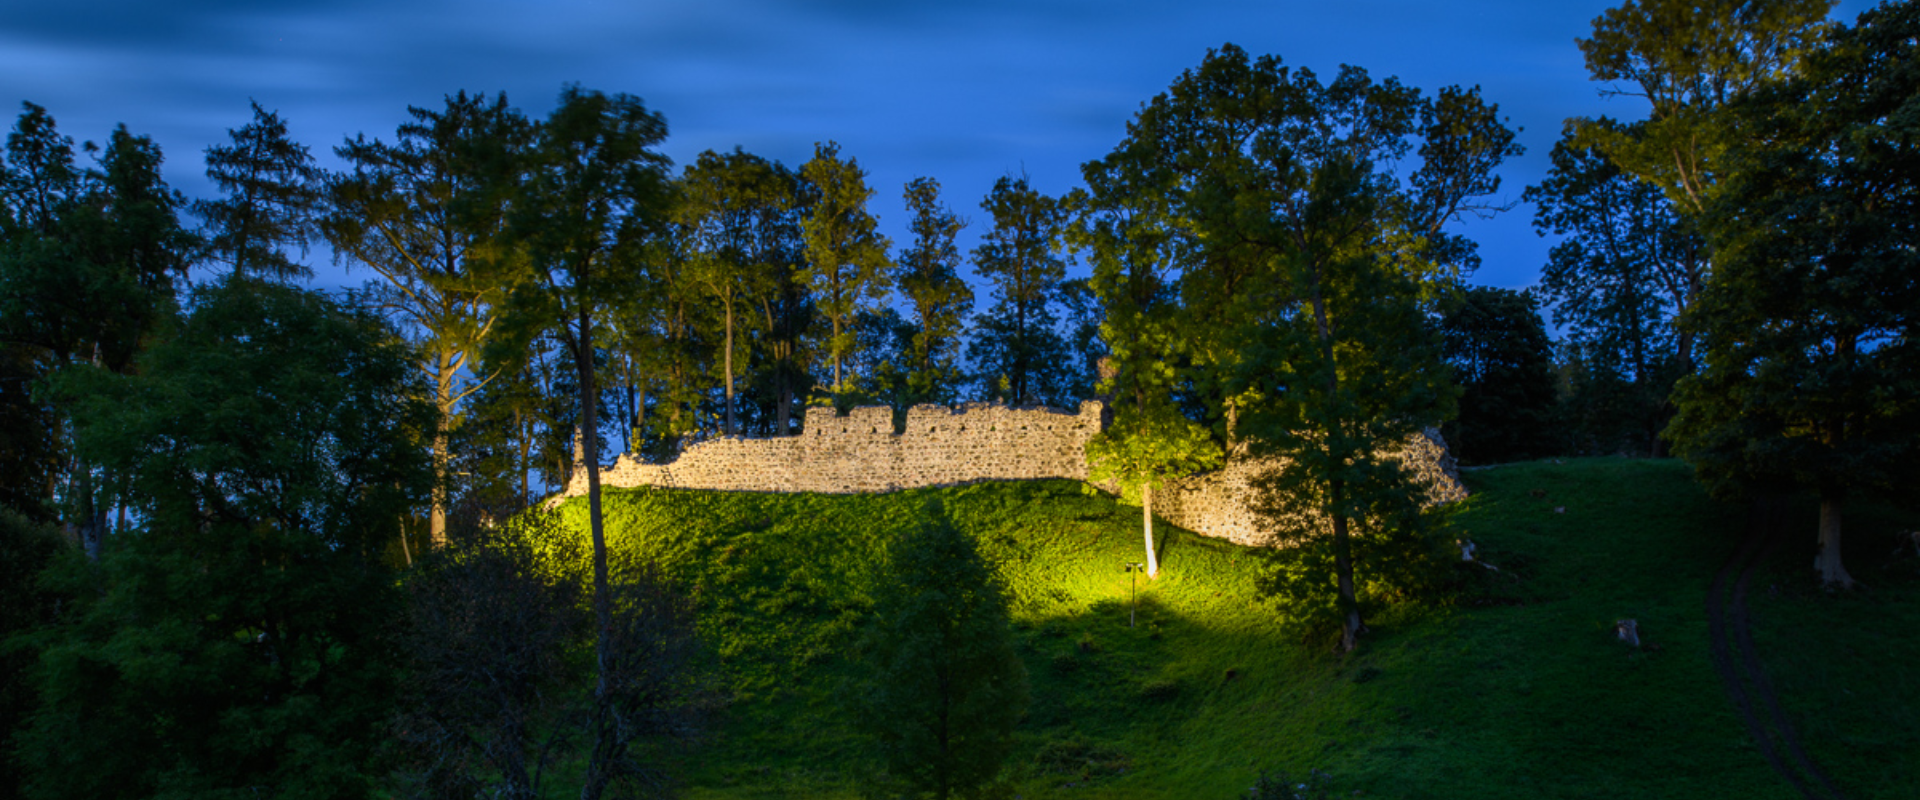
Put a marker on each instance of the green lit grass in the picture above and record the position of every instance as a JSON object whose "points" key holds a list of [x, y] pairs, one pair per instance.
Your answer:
{"points": [[1514, 689]]}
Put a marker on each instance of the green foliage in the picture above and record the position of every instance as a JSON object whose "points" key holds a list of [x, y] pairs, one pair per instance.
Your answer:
{"points": [[1145, 447], [1502, 358], [735, 211], [1016, 342], [942, 688], [88, 257], [1272, 211], [1812, 368], [1689, 60], [236, 639], [273, 192], [846, 254], [928, 274], [26, 548]]}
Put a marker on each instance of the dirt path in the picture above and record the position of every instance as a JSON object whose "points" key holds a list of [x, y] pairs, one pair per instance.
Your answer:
{"points": [[1730, 629]]}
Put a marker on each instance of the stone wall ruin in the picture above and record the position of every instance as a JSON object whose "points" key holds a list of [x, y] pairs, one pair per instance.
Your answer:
{"points": [[941, 446]]}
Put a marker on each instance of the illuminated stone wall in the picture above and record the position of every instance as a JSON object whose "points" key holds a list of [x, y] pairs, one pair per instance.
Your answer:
{"points": [[860, 453]]}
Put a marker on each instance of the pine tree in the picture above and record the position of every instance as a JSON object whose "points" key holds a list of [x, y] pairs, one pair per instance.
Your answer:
{"points": [[272, 189]]}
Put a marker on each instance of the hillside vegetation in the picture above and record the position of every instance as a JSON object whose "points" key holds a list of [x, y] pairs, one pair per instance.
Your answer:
{"points": [[1516, 687]]}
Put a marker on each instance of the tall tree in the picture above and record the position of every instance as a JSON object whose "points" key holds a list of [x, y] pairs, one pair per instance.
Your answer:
{"points": [[1626, 268], [846, 255], [236, 639], [597, 188], [88, 270], [1016, 348], [928, 274], [272, 192], [941, 686], [734, 208], [1688, 60], [1127, 239], [1306, 269], [1812, 366], [1503, 361], [1086, 348], [428, 214]]}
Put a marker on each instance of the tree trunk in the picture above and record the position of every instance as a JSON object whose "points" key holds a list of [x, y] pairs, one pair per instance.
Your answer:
{"points": [[602, 601], [1351, 627], [729, 368], [1833, 573], [437, 513], [638, 419], [1146, 520]]}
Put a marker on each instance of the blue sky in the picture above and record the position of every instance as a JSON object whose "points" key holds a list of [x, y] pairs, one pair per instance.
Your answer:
{"points": [[964, 92]]}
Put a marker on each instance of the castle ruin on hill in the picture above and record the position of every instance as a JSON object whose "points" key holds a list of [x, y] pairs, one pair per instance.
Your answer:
{"points": [[941, 446]]}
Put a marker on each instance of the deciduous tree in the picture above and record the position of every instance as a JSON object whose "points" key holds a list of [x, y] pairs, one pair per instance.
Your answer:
{"points": [[235, 639], [1306, 267], [1503, 361], [1689, 60], [928, 274], [846, 255], [1016, 351], [734, 209], [596, 190], [1812, 368]]}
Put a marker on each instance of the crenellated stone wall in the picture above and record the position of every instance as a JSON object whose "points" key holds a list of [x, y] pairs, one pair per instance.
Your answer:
{"points": [[942, 446]]}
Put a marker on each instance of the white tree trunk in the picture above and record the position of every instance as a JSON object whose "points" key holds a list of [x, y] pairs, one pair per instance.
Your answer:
{"points": [[1832, 571], [1146, 518]]}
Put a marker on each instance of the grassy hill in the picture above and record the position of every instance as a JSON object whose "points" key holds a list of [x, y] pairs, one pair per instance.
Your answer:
{"points": [[1518, 689]]}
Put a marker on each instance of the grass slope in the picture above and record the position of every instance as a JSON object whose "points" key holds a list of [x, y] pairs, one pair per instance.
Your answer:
{"points": [[1519, 690]]}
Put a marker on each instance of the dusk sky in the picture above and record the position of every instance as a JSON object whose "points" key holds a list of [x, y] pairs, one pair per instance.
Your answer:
{"points": [[962, 92]]}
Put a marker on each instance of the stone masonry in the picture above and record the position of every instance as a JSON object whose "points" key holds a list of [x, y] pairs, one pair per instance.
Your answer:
{"points": [[859, 453]]}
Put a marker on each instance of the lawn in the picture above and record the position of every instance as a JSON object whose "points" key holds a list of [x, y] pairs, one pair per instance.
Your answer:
{"points": [[1514, 688]]}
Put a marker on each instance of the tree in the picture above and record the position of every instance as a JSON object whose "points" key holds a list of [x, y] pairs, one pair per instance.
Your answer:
{"points": [[1305, 270], [1015, 342], [596, 190], [87, 273], [489, 622], [428, 214], [940, 687], [1143, 448], [1149, 440], [846, 255], [1085, 346], [1626, 268], [272, 189], [1689, 60], [1811, 368], [928, 274], [1503, 361], [734, 207], [236, 637]]}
